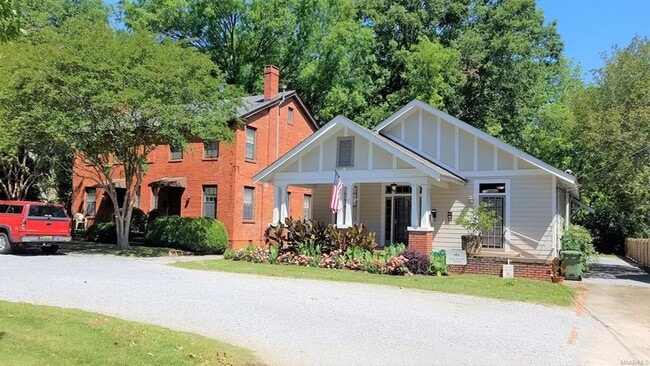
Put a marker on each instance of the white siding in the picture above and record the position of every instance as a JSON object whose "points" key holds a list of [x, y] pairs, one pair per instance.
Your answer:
{"points": [[412, 129], [531, 216], [448, 144], [429, 134], [446, 235], [370, 197], [321, 203]]}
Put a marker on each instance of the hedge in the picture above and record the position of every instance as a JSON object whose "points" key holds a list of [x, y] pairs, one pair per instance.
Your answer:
{"points": [[199, 235]]}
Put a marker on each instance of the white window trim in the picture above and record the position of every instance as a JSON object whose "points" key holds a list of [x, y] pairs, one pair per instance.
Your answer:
{"points": [[252, 218], [248, 128], [507, 195]]}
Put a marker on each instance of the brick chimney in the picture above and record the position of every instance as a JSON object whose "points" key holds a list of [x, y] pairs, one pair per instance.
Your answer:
{"points": [[271, 81]]}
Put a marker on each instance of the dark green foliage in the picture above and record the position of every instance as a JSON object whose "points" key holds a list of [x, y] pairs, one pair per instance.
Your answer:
{"points": [[138, 220], [417, 263], [578, 238], [199, 235], [102, 232]]}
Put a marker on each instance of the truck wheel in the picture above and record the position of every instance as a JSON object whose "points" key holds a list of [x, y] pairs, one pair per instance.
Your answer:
{"points": [[5, 245], [52, 249]]}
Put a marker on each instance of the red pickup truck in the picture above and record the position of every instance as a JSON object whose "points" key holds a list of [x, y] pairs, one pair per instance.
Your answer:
{"points": [[33, 224]]}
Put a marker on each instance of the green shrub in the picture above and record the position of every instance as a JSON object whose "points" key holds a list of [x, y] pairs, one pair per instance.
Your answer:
{"points": [[102, 232], [578, 238], [438, 263], [199, 235]]}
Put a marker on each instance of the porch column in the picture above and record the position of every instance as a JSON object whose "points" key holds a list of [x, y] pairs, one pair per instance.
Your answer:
{"points": [[415, 207], [348, 204], [340, 216], [567, 209], [283, 203], [425, 207]]}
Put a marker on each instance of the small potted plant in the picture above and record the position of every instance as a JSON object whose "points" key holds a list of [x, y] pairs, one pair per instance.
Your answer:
{"points": [[476, 221]]}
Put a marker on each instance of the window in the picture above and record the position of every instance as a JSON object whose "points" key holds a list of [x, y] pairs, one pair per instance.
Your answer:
{"points": [[306, 207], [11, 209], [249, 197], [91, 201], [176, 153], [290, 115], [46, 211], [345, 152], [250, 143], [211, 149], [210, 201]]}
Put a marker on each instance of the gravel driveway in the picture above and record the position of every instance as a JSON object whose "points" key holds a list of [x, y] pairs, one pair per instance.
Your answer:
{"points": [[303, 322]]}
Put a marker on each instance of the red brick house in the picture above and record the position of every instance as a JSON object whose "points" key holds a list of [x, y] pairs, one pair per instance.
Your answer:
{"points": [[214, 179]]}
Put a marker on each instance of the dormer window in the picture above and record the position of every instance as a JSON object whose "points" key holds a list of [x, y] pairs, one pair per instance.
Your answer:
{"points": [[345, 152]]}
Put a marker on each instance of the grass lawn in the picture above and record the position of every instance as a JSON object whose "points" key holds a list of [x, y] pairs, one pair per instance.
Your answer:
{"points": [[485, 286], [43, 335]]}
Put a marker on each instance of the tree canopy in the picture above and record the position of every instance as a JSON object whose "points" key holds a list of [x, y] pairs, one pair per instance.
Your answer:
{"points": [[612, 144], [116, 95]]}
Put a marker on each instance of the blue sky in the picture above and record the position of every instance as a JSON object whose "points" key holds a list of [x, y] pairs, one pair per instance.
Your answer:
{"points": [[591, 27]]}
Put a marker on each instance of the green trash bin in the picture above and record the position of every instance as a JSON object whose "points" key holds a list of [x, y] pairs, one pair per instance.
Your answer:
{"points": [[572, 264]]}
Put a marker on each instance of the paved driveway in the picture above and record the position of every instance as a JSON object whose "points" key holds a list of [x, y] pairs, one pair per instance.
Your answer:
{"points": [[616, 294], [304, 322]]}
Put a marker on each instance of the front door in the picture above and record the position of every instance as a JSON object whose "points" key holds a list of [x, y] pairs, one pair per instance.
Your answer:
{"points": [[398, 218]]}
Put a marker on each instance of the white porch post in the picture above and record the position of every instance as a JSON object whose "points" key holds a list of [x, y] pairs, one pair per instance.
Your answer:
{"points": [[425, 207], [348, 204], [283, 203], [340, 216], [415, 205], [567, 209]]}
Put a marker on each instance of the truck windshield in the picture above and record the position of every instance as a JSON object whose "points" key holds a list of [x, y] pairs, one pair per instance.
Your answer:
{"points": [[46, 211]]}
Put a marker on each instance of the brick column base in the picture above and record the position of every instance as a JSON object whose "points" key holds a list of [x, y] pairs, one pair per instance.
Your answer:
{"points": [[421, 240]]}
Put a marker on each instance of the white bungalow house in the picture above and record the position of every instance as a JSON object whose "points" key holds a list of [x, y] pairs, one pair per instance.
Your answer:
{"points": [[411, 176]]}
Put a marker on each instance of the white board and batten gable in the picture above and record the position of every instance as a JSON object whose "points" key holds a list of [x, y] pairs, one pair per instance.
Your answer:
{"points": [[531, 185], [369, 158]]}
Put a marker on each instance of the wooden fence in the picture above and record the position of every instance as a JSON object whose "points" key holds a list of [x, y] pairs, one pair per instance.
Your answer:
{"points": [[638, 250]]}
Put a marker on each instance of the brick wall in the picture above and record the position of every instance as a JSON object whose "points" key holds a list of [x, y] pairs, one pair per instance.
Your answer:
{"points": [[230, 172], [536, 269], [422, 241]]}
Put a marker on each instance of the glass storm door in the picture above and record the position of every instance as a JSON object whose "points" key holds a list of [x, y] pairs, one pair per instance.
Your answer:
{"points": [[494, 238], [398, 218]]}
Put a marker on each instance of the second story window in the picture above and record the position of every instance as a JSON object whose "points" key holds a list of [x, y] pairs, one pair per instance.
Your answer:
{"points": [[290, 115], [250, 143], [211, 149], [176, 152]]}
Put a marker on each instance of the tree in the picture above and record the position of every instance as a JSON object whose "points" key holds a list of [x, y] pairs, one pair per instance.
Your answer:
{"points": [[30, 148], [9, 20], [612, 145], [119, 94]]}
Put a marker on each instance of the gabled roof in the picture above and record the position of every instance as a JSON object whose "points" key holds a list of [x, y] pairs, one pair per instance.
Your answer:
{"points": [[424, 165], [415, 104], [254, 103]]}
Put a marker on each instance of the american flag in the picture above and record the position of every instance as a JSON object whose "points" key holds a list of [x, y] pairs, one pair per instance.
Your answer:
{"points": [[337, 187]]}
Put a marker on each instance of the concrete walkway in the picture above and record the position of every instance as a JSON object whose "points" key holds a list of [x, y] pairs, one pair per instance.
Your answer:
{"points": [[616, 295]]}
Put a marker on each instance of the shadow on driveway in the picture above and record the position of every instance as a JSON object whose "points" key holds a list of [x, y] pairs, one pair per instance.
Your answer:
{"points": [[618, 269]]}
